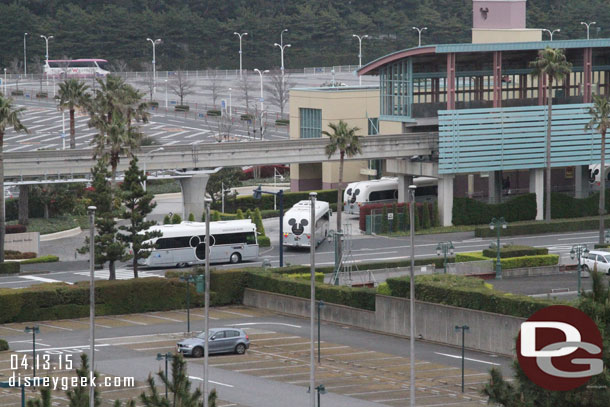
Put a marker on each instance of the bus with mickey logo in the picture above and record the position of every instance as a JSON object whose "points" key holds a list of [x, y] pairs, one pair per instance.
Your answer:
{"points": [[297, 225]]}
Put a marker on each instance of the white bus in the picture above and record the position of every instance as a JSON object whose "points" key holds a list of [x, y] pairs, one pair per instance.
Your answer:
{"points": [[76, 68], [297, 228], [183, 245], [384, 190]]}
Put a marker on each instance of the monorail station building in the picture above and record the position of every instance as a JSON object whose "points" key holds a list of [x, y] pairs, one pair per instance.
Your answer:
{"points": [[489, 112]]}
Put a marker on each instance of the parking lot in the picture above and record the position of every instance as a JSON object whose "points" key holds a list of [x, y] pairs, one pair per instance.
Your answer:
{"points": [[275, 356]]}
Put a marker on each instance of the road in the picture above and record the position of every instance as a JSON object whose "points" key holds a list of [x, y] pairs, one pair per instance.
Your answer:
{"points": [[359, 368]]}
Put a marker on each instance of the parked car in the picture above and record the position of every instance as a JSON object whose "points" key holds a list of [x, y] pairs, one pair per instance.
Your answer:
{"points": [[221, 340], [599, 259]]}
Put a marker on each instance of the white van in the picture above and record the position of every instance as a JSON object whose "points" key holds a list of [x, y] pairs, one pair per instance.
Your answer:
{"points": [[384, 190], [297, 227]]}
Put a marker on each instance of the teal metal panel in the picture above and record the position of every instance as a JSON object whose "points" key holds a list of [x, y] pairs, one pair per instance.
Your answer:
{"points": [[520, 46], [481, 140]]}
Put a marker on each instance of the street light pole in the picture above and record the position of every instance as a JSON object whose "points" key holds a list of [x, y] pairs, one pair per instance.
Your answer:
{"points": [[588, 26], [360, 38], [206, 303], [154, 62], [320, 306], [240, 35], [25, 59], [412, 294], [282, 48], [165, 356], [5, 82], [578, 251], [498, 224], [551, 32], [312, 315], [463, 328], [91, 210], [419, 31], [444, 248], [257, 194], [230, 103], [34, 329], [166, 96], [262, 97], [46, 41]]}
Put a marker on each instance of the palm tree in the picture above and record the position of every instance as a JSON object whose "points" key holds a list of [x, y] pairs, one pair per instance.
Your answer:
{"points": [[9, 117], [73, 95], [600, 120], [551, 63], [344, 140]]}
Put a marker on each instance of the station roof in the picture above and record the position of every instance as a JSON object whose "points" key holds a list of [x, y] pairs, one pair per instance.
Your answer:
{"points": [[372, 67]]}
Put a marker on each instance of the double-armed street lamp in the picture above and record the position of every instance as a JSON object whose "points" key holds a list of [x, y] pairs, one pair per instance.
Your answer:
{"points": [[154, 61], [360, 38], [551, 32], [25, 59], [444, 248], [240, 35], [588, 26], [498, 224], [577, 252], [46, 41], [262, 99], [419, 31]]}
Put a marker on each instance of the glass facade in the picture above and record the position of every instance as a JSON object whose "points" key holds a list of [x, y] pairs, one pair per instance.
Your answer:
{"points": [[373, 126], [396, 88], [311, 123]]}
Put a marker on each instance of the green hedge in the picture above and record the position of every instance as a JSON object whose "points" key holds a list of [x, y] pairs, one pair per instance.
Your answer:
{"points": [[601, 246], [50, 258], [264, 241], [61, 301], [12, 267], [533, 228], [466, 292], [182, 108], [516, 251], [512, 262], [468, 211], [304, 276], [3, 345], [245, 202]]}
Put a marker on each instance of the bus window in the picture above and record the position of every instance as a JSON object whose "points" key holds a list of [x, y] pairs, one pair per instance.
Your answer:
{"points": [[103, 65], [382, 195], [172, 242]]}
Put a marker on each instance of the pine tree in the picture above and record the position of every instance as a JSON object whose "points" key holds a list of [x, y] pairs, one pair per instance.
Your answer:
{"points": [[191, 217], [395, 220], [248, 214], [44, 400], [239, 214], [384, 220], [258, 221], [79, 395], [176, 219], [137, 203], [107, 247], [179, 386], [215, 216]]}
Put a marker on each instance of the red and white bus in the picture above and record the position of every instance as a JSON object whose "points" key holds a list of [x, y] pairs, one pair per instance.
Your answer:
{"points": [[76, 68]]}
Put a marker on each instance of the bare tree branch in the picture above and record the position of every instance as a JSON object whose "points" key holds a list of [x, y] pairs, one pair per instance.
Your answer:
{"points": [[278, 88], [182, 86]]}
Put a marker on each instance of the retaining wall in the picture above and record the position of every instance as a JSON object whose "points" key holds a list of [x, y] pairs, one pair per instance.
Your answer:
{"points": [[493, 333]]}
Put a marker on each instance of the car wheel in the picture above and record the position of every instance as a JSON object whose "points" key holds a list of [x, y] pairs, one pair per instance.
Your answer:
{"points": [[585, 268], [198, 352], [235, 258], [240, 349]]}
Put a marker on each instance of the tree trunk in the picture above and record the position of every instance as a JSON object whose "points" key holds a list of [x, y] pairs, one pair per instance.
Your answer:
{"points": [[111, 270], [72, 130], [135, 263], [2, 218], [602, 188], [46, 210], [547, 213], [24, 195]]}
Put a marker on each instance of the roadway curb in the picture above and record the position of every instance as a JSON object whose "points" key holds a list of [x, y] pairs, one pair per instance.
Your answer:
{"points": [[61, 235]]}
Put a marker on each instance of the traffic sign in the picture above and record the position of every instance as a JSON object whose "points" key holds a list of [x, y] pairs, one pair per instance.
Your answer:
{"points": [[223, 104]]}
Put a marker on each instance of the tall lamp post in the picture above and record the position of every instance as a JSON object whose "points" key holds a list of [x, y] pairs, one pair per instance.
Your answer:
{"points": [[577, 252], [412, 294], [25, 57], [320, 306], [34, 329], [444, 248], [165, 356], [419, 31], [312, 300], [240, 35], [206, 299], [498, 224], [4, 81], [154, 61], [146, 159], [46, 41], [91, 210], [260, 73], [360, 38], [282, 48], [462, 328], [257, 194], [551, 32], [188, 280], [588, 26]]}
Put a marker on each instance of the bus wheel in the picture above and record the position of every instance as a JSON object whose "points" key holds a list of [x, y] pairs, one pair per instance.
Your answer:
{"points": [[235, 258]]}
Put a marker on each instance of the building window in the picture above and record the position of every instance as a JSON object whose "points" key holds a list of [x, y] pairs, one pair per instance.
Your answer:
{"points": [[311, 123], [373, 126], [396, 88]]}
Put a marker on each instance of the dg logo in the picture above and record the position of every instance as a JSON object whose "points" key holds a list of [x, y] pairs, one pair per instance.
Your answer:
{"points": [[560, 348]]}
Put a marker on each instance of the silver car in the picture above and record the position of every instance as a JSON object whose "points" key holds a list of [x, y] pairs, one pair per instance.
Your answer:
{"points": [[221, 340]]}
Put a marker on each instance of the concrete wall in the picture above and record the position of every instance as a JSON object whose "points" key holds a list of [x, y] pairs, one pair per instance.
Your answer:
{"points": [[494, 36], [499, 14], [489, 332], [23, 242]]}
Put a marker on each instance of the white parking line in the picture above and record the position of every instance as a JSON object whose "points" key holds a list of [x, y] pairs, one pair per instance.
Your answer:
{"points": [[165, 318], [56, 327], [266, 323], [42, 279], [235, 313], [65, 348], [211, 381], [472, 360]]}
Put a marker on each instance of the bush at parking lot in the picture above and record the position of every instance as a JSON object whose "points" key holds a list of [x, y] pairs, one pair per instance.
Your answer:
{"points": [[245, 202], [512, 262], [9, 268], [516, 251], [3, 345], [468, 211], [466, 292], [533, 228]]}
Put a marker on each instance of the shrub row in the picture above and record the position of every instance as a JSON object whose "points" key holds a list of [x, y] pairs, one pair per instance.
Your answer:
{"points": [[14, 254], [466, 292], [245, 202], [468, 211], [15, 229], [516, 251], [49, 258], [304, 276], [264, 241], [532, 228], [3, 345], [512, 262], [60, 301], [10, 268], [426, 216]]}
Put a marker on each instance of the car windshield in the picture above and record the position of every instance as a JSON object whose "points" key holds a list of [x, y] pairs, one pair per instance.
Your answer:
{"points": [[202, 334]]}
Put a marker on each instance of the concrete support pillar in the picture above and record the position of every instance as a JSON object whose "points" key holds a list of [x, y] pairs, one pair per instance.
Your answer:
{"points": [[537, 187], [193, 195], [403, 187], [495, 187], [470, 185], [582, 186], [445, 200], [588, 75], [451, 74], [497, 70]]}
